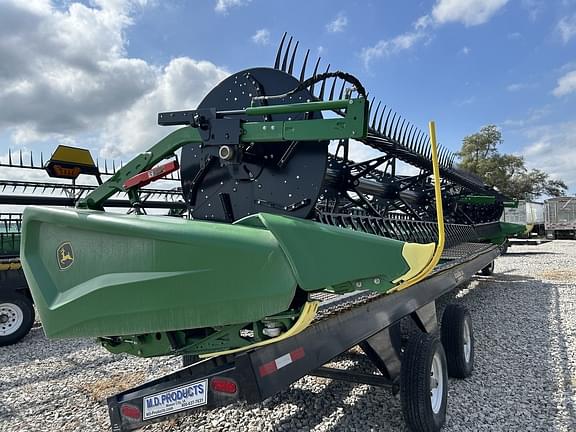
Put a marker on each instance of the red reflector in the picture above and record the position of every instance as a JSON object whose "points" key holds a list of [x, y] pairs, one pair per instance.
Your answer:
{"points": [[268, 368], [147, 177], [297, 354], [130, 411], [224, 385]]}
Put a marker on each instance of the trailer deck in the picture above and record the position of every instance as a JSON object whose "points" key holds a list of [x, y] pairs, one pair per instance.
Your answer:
{"points": [[343, 321]]}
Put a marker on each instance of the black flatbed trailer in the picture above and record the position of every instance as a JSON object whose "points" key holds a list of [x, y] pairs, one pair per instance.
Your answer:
{"points": [[367, 319]]}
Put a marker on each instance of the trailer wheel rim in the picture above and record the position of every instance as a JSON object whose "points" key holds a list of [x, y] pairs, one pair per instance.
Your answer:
{"points": [[467, 341], [436, 384], [11, 318]]}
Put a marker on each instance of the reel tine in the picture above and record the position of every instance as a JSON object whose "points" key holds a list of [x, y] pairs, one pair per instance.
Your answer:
{"points": [[291, 67], [283, 69], [407, 141], [399, 138], [303, 70], [323, 87], [403, 140], [391, 126], [21, 164], [113, 166], [314, 74], [41, 159], [9, 156], [279, 52], [31, 158], [396, 128], [342, 90], [370, 106], [376, 115], [414, 141], [421, 144], [380, 121], [106, 166], [423, 148], [386, 122], [331, 96]]}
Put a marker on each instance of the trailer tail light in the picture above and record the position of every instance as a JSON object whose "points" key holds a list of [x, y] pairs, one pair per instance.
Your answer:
{"points": [[131, 411], [224, 385]]}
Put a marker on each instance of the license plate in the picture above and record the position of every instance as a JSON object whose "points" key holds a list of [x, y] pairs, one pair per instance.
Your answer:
{"points": [[176, 399]]}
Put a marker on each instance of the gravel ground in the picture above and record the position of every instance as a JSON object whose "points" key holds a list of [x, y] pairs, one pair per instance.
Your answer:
{"points": [[525, 375]]}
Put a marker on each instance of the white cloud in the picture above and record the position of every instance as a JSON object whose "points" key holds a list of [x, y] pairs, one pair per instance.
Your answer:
{"points": [[514, 87], [566, 84], [567, 28], [468, 12], [552, 148], [261, 37], [222, 6], [387, 47], [534, 8], [463, 102], [71, 61], [338, 24], [465, 50], [179, 86], [64, 73], [534, 115]]}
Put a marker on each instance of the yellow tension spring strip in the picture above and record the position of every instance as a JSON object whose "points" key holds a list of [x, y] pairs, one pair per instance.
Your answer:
{"points": [[306, 316], [309, 310], [439, 216]]}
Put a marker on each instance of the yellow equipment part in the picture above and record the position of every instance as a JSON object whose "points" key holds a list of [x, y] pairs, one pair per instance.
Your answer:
{"points": [[308, 313], [439, 216], [10, 266], [416, 255]]}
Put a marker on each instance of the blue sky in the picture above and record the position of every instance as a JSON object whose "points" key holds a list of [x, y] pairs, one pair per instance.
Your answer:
{"points": [[95, 73]]}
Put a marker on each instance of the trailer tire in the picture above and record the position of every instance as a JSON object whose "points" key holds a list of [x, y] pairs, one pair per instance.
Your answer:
{"points": [[424, 383], [488, 270], [458, 341], [16, 317]]}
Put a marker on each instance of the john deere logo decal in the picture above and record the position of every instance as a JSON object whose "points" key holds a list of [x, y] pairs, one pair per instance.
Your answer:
{"points": [[65, 256]]}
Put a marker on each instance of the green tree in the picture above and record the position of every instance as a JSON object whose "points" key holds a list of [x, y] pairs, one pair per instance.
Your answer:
{"points": [[479, 155]]}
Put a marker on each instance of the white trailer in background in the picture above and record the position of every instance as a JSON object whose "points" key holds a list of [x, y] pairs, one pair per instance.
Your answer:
{"points": [[529, 213], [560, 218]]}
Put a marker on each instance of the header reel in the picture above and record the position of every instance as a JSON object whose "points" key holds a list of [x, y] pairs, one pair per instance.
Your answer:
{"points": [[225, 179]]}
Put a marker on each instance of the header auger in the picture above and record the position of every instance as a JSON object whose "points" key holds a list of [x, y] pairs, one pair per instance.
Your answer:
{"points": [[271, 216]]}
